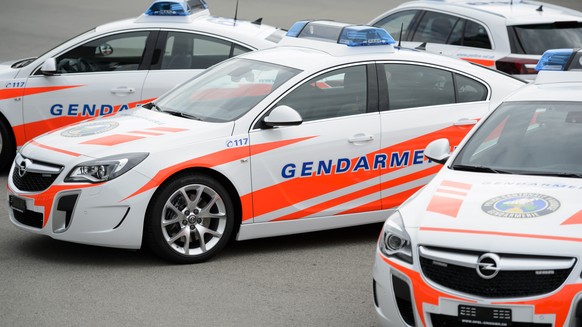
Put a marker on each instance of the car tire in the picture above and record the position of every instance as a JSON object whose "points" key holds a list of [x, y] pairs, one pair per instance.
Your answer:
{"points": [[189, 219], [7, 146]]}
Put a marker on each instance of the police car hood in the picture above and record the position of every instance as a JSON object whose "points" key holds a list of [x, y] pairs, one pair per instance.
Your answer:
{"points": [[137, 130], [465, 208], [7, 71]]}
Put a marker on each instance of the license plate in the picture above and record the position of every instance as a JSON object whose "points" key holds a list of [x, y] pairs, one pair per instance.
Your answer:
{"points": [[481, 316], [17, 203]]}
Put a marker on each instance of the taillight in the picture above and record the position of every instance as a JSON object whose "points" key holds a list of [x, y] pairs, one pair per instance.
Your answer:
{"points": [[517, 66]]}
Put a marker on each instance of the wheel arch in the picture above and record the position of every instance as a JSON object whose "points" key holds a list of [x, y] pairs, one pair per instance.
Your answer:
{"points": [[11, 143], [222, 179]]}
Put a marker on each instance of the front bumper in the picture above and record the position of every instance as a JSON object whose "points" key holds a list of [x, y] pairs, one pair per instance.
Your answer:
{"points": [[403, 297], [97, 214]]}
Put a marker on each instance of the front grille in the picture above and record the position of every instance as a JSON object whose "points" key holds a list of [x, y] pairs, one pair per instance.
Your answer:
{"points": [[29, 218], [507, 283], [451, 321], [32, 176]]}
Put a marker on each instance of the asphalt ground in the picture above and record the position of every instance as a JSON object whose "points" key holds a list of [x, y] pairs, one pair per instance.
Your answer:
{"points": [[315, 279]]}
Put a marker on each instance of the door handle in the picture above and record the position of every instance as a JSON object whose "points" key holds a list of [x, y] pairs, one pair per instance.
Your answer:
{"points": [[122, 90], [358, 138]]}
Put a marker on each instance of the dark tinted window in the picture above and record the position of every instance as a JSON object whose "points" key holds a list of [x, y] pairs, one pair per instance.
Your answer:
{"points": [[475, 35], [434, 27], [535, 39], [111, 53], [193, 51], [394, 23], [342, 92], [418, 86], [469, 90]]}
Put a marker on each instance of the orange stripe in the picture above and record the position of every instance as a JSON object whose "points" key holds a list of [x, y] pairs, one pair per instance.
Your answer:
{"points": [[398, 197], [423, 293], [74, 154], [146, 133], [215, 159], [574, 220], [113, 140], [456, 184], [446, 206], [534, 236], [18, 92], [28, 131], [304, 188], [483, 62], [450, 192], [47, 198], [167, 129]]}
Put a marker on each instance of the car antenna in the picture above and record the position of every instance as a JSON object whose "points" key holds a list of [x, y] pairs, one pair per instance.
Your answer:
{"points": [[258, 21], [541, 8], [400, 36], [422, 46], [235, 14]]}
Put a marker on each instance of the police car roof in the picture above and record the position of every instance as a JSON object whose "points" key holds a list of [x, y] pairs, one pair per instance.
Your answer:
{"points": [[238, 30], [514, 13], [313, 58], [566, 86]]}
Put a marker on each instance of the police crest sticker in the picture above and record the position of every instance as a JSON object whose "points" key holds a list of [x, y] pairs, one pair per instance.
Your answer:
{"points": [[90, 129], [521, 205]]}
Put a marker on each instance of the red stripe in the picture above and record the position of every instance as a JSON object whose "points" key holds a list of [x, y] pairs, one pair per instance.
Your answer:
{"points": [[19, 92], [456, 184], [446, 206], [74, 154], [113, 140], [215, 159], [574, 220], [450, 192]]}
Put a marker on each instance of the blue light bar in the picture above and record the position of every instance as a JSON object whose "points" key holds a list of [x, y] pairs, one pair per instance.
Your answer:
{"points": [[357, 36], [555, 59], [341, 33], [169, 8], [297, 28]]}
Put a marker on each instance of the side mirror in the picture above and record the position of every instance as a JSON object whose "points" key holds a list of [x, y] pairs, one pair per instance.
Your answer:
{"points": [[283, 116], [49, 67], [438, 151]]}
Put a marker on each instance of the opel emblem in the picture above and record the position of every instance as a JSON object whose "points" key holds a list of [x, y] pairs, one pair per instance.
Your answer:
{"points": [[488, 265], [23, 166]]}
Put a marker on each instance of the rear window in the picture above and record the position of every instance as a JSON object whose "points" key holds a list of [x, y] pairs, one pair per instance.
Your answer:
{"points": [[537, 38]]}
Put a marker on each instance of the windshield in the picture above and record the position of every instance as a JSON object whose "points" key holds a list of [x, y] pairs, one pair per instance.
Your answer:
{"points": [[530, 138], [226, 91], [535, 39]]}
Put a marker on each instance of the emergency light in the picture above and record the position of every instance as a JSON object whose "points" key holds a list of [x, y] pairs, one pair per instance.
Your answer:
{"points": [[175, 8], [560, 60], [341, 33]]}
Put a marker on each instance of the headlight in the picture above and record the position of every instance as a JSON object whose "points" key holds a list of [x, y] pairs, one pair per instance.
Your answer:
{"points": [[395, 241], [105, 169]]}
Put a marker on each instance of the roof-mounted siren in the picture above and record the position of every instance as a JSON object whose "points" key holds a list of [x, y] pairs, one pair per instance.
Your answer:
{"points": [[560, 60], [341, 33], [174, 9]]}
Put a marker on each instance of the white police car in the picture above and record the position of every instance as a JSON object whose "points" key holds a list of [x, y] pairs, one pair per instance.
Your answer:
{"points": [[117, 66], [325, 130], [495, 239], [509, 35]]}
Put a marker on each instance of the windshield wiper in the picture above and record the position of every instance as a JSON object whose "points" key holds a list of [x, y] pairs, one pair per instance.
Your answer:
{"points": [[556, 174], [151, 105], [479, 169], [181, 114]]}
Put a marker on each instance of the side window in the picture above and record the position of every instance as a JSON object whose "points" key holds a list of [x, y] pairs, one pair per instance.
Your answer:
{"points": [[412, 86], [476, 36], [192, 51], [342, 92], [394, 23], [111, 53], [469, 90], [434, 27]]}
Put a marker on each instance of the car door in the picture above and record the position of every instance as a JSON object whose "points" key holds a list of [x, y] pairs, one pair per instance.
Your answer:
{"points": [[324, 166], [99, 77], [181, 55], [422, 103]]}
